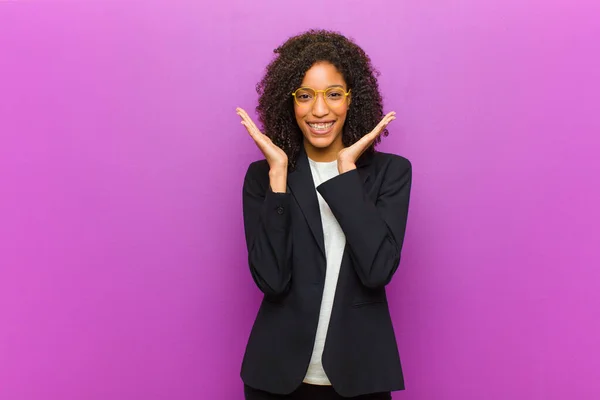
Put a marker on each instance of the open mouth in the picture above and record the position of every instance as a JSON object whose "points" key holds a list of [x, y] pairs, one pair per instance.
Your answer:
{"points": [[321, 128]]}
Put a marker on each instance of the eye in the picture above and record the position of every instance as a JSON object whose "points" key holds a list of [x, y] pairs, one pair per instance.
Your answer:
{"points": [[336, 95], [304, 95]]}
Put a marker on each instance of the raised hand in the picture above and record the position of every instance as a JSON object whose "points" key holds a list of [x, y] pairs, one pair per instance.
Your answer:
{"points": [[277, 158], [347, 156]]}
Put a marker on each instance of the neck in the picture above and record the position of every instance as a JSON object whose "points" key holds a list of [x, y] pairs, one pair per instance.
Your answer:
{"points": [[326, 154]]}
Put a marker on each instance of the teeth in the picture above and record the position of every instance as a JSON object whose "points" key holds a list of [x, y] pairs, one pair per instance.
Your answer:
{"points": [[321, 126]]}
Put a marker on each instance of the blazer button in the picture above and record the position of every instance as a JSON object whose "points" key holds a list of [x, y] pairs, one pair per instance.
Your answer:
{"points": [[280, 210]]}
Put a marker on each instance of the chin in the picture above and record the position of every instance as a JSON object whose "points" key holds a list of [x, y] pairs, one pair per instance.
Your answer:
{"points": [[320, 143]]}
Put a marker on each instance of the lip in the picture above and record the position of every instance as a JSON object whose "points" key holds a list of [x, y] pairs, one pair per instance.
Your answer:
{"points": [[321, 133]]}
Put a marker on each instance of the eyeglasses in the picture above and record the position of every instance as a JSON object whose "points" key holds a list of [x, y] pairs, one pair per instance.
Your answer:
{"points": [[334, 96]]}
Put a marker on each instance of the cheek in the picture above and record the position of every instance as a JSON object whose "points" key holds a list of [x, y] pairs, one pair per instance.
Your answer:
{"points": [[298, 114], [342, 116]]}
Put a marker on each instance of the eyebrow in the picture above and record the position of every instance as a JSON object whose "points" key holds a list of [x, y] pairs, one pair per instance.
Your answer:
{"points": [[328, 87]]}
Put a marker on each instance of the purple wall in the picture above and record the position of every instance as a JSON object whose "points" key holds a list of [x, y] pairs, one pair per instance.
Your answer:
{"points": [[122, 261]]}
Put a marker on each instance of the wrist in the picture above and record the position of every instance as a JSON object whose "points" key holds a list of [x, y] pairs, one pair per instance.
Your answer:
{"points": [[345, 167], [278, 179], [277, 172]]}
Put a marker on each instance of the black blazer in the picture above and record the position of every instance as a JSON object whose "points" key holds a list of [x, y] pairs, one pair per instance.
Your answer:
{"points": [[286, 254]]}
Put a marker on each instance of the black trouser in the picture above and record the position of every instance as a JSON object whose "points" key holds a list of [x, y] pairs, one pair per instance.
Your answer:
{"points": [[309, 392]]}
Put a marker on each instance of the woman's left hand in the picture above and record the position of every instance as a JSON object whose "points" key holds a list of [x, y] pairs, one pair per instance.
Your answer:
{"points": [[347, 157]]}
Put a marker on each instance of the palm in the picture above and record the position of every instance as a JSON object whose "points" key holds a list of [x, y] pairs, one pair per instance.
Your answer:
{"points": [[274, 155], [349, 155]]}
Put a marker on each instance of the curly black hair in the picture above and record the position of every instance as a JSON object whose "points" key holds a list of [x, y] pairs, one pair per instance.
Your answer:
{"points": [[285, 74]]}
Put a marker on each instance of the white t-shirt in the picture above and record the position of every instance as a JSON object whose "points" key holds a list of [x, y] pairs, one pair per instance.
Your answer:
{"points": [[335, 241]]}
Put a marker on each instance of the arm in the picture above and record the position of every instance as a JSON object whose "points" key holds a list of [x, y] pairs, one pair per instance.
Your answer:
{"points": [[267, 224], [374, 231]]}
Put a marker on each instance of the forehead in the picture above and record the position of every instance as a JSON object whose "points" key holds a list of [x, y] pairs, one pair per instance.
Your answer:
{"points": [[323, 75]]}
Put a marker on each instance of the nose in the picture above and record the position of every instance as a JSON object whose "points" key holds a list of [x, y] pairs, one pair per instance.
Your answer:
{"points": [[320, 107]]}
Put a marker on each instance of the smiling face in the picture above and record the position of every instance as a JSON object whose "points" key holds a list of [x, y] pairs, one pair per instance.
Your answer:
{"points": [[321, 121]]}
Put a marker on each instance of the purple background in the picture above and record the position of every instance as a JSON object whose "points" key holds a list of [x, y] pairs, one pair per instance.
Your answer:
{"points": [[122, 259]]}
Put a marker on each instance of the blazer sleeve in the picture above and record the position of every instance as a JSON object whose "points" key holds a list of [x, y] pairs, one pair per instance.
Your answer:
{"points": [[374, 231], [267, 225]]}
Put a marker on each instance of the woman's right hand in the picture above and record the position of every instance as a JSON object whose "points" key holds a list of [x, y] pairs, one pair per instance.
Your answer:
{"points": [[277, 159]]}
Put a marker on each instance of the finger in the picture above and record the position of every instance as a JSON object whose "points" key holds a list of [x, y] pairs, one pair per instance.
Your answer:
{"points": [[247, 118], [247, 122], [261, 140], [240, 112], [389, 117], [259, 137], [378, 128], [244, 116], [363, 143], [250, 130], [254, 125]]}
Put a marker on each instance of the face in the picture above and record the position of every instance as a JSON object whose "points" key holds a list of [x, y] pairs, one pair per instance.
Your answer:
{"points": [[321, 120]]}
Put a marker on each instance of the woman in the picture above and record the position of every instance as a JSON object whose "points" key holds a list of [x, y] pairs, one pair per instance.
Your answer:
{"points": [[324, 218]]}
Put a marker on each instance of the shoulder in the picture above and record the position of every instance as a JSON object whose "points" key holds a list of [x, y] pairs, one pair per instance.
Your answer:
{"points": [[391, 163], [257, 176], [393, 171], [258, 170]]}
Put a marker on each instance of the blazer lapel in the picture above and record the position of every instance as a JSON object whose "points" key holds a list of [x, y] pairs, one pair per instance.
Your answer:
{"points": [[302, 186]]}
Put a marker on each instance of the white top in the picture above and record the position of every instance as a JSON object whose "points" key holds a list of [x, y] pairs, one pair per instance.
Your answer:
{"points": [[335, 241]]}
